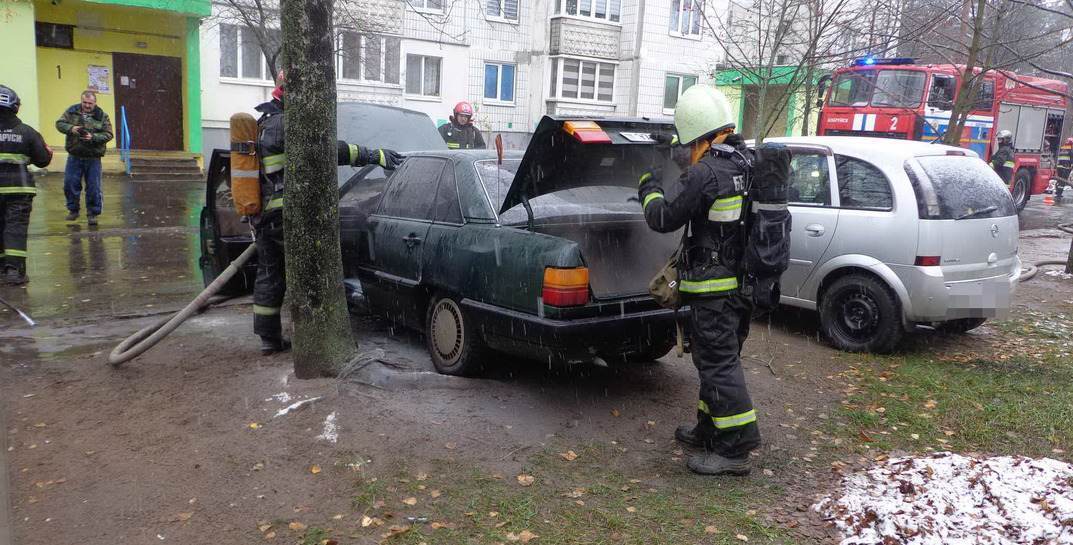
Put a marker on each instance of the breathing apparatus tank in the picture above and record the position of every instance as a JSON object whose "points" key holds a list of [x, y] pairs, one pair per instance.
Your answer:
{"points": [[245, 180]]}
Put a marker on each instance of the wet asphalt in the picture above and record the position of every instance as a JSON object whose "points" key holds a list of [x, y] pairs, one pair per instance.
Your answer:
{"points": [[141, 258]]}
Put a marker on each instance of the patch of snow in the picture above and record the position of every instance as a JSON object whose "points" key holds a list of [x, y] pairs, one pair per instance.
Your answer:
{"points": [[947, 498], [294, 406], [331, 432], [1059, 274], [282, 397]]}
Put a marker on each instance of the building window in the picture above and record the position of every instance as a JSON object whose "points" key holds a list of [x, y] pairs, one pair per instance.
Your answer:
{"points": [[781, 59], [53, 35], [427, 5], [583, 80], [686, 16], [674, 86], [604, 10], [368, 57], [241, 54], [502, 9], [423, 75], [499, 82]]}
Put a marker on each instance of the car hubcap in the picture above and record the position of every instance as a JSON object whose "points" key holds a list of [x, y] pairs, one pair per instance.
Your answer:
{"points": [[447, 332], [860, 314], [1019, 191]]}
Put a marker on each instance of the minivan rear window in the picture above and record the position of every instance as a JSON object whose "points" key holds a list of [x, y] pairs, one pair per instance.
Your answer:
{"points": [[953, 187]]}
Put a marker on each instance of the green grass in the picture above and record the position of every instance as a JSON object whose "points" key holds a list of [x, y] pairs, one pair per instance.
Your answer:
{"points": [[663, 506], [1013, 396]]}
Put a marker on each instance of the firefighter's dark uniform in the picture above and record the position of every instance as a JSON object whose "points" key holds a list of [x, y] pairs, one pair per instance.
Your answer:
{"points": [[464, 137], [270, 284], [1002, 162], [1065, 167], [710, 206], [20, 145]]}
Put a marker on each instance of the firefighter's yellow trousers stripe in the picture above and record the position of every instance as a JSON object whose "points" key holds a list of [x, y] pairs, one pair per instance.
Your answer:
{"points": [[265, 311], [726, 422]]}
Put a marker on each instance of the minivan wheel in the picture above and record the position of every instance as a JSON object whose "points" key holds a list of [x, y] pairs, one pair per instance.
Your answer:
{"points": [[859, 314], [453, 343], [1021, 187], [961, 325]]}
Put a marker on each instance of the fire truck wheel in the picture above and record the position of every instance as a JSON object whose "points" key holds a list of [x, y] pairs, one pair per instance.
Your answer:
{"points": [[1022, 184]]}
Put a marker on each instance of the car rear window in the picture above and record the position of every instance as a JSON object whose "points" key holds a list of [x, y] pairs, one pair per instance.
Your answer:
{"points": [[954, 186]]}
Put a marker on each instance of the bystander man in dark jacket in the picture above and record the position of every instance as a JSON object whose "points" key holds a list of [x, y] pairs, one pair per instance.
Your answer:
{"points": [[88, 131]]}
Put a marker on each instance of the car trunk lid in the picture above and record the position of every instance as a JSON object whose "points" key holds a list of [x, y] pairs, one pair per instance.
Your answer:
{"points": [[566, 153]]}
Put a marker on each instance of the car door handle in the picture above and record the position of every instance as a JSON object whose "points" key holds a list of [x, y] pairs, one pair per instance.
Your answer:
{"points": [[814, 230], [412, 240]]}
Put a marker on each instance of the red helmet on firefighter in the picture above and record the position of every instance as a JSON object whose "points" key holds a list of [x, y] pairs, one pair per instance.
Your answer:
{"points": [[466, 109]]}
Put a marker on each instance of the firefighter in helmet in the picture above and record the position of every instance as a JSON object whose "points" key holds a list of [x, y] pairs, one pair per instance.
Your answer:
{"points": [[20, 145], [1065, 166], [270, 285], [710, 208], [460, 132], [1002, 158]]}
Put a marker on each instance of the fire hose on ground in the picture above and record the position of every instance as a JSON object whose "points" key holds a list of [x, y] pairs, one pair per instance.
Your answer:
{"points": [[1033, 269], [145, 338]]}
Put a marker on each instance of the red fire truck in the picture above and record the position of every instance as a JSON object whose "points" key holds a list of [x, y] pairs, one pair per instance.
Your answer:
{"points": [[897, 98]]}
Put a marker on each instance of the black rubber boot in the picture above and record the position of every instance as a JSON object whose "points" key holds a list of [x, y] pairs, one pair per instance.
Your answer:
{"points": [[713, 464], [687, 435], [91, 220], [14, 277], [270, 345], [71, 216]]}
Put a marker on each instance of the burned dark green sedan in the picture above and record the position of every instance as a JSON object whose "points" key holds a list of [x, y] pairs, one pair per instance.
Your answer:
{"points": [[544, 255]]}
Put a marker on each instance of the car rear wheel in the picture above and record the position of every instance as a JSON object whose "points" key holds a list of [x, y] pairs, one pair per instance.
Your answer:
{"points": [[859, 314], [453, 343], [961, 325], [1022, 185]]}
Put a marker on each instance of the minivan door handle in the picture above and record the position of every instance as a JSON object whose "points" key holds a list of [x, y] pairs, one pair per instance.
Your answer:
{"points": [[814, 230]]}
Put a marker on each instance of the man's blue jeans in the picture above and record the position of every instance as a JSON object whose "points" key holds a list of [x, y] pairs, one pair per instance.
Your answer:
{"points": [[77, 169]]}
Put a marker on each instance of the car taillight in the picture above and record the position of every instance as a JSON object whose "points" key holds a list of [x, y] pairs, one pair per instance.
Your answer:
{"points": [[566, 287], [586, 132], [927, 261]]}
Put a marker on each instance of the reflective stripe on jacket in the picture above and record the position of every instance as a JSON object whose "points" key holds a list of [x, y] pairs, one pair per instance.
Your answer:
{"points": [[20, 146]]}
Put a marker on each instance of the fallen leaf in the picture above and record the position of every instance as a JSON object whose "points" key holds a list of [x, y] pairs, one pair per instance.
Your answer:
{"points": [[711, 530], [254, 425], [270, 535], [435, 493], [395, 531], [631, 509], [422, 476], [914, 435], [525, 536], [296, 526], [40, 425], [863, 436], [569, 455], [183, 517], [314, 469], [337, 517], [449, 446], [438, 525], [493, 514], [614, 412], [501, 524], [264, 527], [410, 501], [526, 480], [930, 404], [366, 521], [575, 493], [579, 502], [742, 537], [768, 473]]}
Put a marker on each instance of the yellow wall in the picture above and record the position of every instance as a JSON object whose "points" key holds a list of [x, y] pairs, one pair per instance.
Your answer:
{"points": [[17, 63], [99, 31]]}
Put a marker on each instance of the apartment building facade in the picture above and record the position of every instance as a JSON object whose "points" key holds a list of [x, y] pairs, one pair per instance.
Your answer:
{"points": [[514, 60]]}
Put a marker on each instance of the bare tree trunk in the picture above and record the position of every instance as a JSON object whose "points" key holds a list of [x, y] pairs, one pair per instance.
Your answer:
{"points": [[967, 92], [322, 337]]}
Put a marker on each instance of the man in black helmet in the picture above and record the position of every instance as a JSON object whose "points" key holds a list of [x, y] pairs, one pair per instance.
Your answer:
{"points": [[20, 145]]}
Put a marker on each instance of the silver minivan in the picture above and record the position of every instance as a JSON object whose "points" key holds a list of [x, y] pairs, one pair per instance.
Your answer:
{"points": [[892, 234]]}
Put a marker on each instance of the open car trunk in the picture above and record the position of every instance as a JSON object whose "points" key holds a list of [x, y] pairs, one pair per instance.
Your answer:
{"points": [[622, 255]]}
